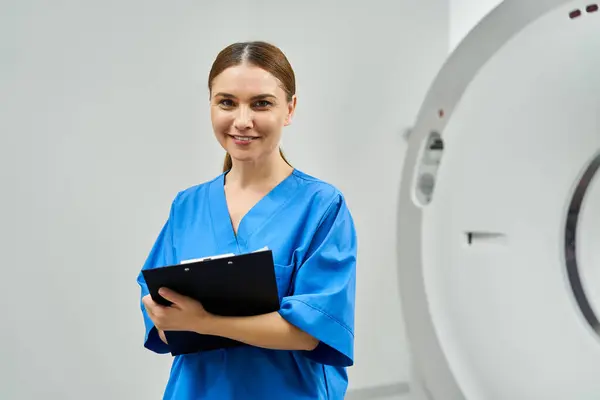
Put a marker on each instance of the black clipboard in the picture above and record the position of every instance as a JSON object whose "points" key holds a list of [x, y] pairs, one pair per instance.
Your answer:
{"points": [[240, 285]]}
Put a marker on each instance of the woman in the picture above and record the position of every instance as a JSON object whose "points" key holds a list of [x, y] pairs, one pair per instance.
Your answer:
{"points": [[301, 351]]}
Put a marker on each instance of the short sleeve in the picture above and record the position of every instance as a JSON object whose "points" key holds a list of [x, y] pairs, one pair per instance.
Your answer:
{"points": [[322, 301], [161, 254]]}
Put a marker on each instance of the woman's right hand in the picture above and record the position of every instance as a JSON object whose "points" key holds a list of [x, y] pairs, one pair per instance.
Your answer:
{"points": [[162, 336]]}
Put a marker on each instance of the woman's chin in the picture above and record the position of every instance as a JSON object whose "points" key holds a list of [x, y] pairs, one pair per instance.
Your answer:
{"points": [[242, 156]]}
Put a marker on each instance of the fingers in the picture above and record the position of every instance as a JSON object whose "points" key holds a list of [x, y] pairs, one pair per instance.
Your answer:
{"points": [[166, 318], [155, 311], [147, 302], [162, 336], [151, 306], [147, 299], [172, 296]]}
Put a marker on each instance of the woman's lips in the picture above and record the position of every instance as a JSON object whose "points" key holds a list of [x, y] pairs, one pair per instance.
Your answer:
{"points": [[243, 140]]}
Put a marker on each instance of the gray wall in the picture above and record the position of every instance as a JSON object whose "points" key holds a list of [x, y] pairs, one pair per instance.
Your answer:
{"points": [[104, 117]]}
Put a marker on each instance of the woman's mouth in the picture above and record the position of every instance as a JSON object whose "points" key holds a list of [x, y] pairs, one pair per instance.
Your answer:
{"points": [[243, 140]]}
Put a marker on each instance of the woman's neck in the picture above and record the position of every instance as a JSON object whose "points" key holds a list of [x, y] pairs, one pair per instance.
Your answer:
{"points": [[248, 174]]}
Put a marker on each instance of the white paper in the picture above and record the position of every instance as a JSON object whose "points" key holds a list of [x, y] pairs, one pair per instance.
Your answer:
{"points": [[207, 258], [266, 248]]}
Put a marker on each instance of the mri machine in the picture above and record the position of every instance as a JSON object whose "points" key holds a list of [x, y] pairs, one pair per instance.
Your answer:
{"points": [[499, 213]]}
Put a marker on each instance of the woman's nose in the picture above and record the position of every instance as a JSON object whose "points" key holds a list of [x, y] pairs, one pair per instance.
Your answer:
{"points": [[243, 119]]}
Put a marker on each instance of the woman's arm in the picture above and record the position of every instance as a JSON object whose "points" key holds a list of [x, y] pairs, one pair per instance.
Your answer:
{"points": [[269, 331]]}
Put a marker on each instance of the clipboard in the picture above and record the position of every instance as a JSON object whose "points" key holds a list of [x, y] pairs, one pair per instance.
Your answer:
{"points": [[238, 285]]}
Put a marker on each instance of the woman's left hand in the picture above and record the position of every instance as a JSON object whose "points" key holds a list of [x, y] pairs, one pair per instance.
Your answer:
{"points": [[185, 314]]}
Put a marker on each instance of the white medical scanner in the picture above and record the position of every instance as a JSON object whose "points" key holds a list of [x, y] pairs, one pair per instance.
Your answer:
{"points": [[499, 214]]}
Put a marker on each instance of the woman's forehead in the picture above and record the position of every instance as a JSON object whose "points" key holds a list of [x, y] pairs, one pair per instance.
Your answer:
{"points": [[243, 80]]}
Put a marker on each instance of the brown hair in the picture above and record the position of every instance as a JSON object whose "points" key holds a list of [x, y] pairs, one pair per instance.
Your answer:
{"points": [[263, 55]]}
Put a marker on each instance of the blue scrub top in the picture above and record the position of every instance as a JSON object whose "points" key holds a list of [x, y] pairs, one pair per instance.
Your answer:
{"points": [[307, 225]]}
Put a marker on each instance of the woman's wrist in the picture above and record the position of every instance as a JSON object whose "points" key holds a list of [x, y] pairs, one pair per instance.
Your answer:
{"points": [[208, 324]]}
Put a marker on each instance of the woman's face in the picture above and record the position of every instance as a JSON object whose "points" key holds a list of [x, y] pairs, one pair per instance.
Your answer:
{"points": [[248, 111]]}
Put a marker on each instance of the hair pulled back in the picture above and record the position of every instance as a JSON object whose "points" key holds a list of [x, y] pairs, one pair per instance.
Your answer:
{"points": [[260, 54]]}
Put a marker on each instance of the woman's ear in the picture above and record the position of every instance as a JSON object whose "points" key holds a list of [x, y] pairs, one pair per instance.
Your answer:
{"points": [[291, 110]]}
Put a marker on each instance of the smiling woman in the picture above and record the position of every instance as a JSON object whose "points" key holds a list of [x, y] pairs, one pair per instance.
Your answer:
{"points": [[259, 200], [253, 95]]}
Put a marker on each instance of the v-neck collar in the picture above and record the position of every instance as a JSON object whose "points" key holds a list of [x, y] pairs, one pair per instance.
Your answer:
{"points": [[255, 218]]}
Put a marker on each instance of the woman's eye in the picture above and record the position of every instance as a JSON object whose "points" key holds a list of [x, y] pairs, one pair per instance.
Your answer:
{"points": [[262, 103], [259, 104]]}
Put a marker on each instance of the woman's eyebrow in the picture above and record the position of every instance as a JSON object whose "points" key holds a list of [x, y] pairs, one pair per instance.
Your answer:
{"points": [[259, 96]]}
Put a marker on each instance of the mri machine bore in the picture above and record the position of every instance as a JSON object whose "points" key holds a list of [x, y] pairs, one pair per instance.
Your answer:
{"points": [[499, 213]]}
